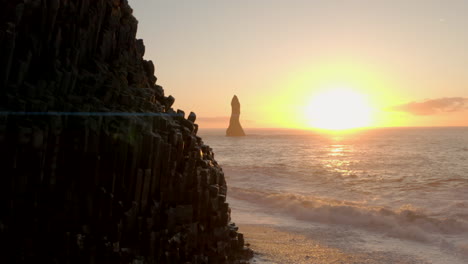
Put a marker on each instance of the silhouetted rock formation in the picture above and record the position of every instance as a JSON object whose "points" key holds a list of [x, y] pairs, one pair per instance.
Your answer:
{"points": [[87, 175], [235, 128]]}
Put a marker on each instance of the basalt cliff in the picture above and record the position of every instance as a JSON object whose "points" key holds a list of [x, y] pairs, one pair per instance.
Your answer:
{"points": [[95, 165]]}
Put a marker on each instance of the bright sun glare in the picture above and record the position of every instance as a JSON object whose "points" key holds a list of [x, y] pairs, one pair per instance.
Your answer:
{"points": [[338, 109]]}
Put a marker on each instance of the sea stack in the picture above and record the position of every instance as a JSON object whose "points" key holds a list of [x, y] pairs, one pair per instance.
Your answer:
{"points": [[235, 128]]}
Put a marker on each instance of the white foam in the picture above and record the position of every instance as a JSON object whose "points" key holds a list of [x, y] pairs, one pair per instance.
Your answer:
{"points": [[405, 223]]}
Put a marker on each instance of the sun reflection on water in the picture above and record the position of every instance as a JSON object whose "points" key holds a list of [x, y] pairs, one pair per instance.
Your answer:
{"points": [[337, 150], [339, 159]]}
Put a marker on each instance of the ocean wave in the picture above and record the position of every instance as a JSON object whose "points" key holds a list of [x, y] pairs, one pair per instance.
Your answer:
{"points": [[405, 223]]}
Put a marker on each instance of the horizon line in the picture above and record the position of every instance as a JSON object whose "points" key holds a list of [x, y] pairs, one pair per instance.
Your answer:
{"points": [[362, 128]]}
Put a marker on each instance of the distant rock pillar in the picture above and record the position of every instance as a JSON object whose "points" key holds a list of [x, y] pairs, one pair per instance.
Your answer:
{"points": [[235, 128]]}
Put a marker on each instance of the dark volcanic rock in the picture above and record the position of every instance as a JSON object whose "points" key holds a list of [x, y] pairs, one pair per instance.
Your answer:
{"points": [[95, 165], [235, 128]]}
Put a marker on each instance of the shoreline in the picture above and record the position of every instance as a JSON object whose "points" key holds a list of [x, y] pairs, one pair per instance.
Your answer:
{"points": [[273, 245]]}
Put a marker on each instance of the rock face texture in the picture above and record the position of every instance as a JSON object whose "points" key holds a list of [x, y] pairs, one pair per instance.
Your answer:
{"points": [[235, 128], [95, 165]]}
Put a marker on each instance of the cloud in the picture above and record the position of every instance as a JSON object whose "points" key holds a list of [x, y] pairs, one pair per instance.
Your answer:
{"points": [[215, 119], [434, 106], [219, 119]]}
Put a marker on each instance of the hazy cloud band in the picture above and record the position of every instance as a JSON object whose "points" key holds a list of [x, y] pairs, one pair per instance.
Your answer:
{"points": [[434, 106], [218, 119]]}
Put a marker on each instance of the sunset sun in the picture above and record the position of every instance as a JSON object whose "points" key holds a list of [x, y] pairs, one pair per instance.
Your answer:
{"points": [[338, 109]]}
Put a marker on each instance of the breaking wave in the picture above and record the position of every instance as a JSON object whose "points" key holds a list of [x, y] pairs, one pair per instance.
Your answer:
{"points": [[405, 223]]}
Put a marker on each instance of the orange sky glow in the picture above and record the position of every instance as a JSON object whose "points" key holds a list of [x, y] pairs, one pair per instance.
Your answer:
{"points": [[312, 64]]}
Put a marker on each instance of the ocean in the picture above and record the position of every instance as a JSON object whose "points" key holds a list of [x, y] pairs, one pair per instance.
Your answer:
{"points": [[390, 195]]}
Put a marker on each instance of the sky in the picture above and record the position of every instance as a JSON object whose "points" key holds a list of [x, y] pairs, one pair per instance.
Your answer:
{"points": [[407, 60]]}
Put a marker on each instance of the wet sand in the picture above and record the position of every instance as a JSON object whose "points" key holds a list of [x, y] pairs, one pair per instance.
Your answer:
{"points": [[273, 245]]}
